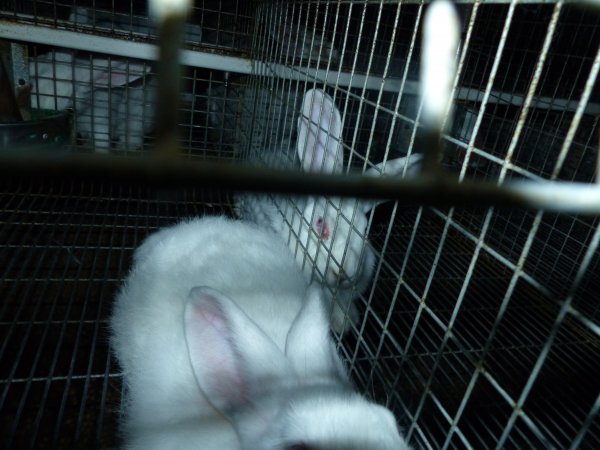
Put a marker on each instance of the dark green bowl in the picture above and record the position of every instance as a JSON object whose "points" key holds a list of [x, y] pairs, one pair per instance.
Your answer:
{"points": [[47, 129]]}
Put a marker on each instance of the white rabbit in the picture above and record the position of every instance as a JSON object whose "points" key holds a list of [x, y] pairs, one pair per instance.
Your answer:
{"points": [[220, 339], [60, 79], [328, 234], [98, 118], [136, 113], [51, 77], [118, 116], [93, 87]]}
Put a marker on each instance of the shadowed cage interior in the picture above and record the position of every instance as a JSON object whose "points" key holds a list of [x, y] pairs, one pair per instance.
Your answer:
{"points": [[481, 327]]}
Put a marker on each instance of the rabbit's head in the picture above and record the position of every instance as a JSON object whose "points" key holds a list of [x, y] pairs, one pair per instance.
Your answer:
{"points": [[334, 236], [333, 231], [279, 399]]}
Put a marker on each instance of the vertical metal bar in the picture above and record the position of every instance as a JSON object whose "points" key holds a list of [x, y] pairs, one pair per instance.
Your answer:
{"points": [[401, 91], [513, 143], [171, 19], [453, 423], [363, 90], [483, 232], [420, 211], [538, 217], [384, 76], [438, 74], [532, 88]]}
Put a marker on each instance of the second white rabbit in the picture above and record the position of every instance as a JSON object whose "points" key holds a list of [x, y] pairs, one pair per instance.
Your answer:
{"points": [[113, 99], [328, 235]]}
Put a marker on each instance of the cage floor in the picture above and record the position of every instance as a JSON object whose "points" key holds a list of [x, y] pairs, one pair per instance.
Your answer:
{"points": [[66, 246], [457, 369], [65, 249]]}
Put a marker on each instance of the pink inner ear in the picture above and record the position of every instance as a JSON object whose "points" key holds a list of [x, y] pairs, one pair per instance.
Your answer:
{"points": [[213, 354], [322, 229]]}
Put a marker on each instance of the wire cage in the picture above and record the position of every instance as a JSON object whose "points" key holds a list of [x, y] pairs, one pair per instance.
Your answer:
{"points": [[481, 326]]}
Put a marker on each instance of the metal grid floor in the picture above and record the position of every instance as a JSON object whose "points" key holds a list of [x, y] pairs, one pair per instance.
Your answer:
{"points": [[66, 247], [453, 376]]}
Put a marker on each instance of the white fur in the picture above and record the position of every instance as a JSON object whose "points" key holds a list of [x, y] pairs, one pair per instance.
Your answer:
{"points": [[95, 88], [59, 79], [122, 116], [135, 115], [220, 339], [51, 77], [97, 118], [341, 258]]}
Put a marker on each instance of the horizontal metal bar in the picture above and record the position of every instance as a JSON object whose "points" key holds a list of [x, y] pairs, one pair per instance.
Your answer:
{"points": [[470, 2], [118, 47], [506, 98], [90, 376], [208, 60], [333, 77], [426, 189], [558, 196]]}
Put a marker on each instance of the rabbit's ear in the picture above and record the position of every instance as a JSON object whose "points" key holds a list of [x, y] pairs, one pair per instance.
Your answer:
{"points": [[319, 144], [230, 355], [407, 166], [308, 346]]}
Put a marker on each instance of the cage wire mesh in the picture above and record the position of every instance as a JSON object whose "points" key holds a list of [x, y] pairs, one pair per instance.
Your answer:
{"points": [[481, 327]]}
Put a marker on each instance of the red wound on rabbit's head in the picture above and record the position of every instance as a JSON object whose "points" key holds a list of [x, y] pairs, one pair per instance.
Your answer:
{"points": [[323, 229]]}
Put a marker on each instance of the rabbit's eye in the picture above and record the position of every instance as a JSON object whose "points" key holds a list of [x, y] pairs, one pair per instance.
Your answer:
{"points": [[322, 229]]}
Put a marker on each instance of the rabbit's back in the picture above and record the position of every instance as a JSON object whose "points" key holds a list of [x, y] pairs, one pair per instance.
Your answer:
{"points": [[237, 258]]}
